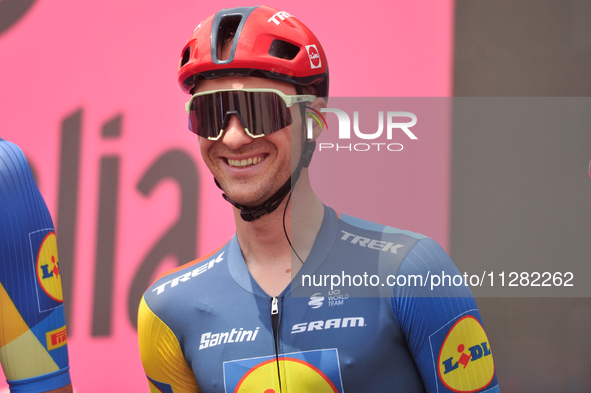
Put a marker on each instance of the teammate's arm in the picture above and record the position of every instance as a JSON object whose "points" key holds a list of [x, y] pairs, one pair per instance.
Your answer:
{"points": [[442, 326], [33, 349]]}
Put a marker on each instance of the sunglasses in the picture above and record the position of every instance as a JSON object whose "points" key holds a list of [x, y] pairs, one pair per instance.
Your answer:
{"points": [[260, 111]]}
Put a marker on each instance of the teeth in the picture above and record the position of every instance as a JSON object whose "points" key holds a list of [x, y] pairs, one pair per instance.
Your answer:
{"points": [[245, 163]]}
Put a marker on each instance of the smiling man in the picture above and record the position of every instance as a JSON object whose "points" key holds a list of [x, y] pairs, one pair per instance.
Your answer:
{"points": [[230, 321]]}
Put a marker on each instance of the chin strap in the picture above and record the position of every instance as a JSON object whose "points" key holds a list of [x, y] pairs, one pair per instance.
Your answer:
{"points": [[249, 214]]}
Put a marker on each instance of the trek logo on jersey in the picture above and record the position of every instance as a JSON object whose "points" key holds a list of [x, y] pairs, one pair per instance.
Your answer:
{"points": [[278, 17], [210, 339], [203, 267], [335, 323], [371, 243], [56, 338], [465, 362], [315, 371], [48, 272], [314, 56]]}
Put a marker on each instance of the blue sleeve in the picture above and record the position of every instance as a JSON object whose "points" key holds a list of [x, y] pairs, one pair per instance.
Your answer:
{"points": [[442, 325], [33, 340]]}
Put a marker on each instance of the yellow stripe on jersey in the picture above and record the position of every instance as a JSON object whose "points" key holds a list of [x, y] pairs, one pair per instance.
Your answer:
{"points": [[12, 324], [21, 353], [161, 354]]}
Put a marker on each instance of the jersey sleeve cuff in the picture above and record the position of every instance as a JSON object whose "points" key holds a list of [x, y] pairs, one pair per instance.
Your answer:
{"points": [[42, 383]]}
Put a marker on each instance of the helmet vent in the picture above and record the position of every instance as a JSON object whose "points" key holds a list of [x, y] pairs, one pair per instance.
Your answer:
{"points": [[226, 34], [283, 50], [186, 56]]}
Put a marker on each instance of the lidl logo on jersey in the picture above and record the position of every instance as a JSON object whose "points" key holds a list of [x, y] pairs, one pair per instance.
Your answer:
{"points": [[465, 361], [310, 371], [44, 252]]}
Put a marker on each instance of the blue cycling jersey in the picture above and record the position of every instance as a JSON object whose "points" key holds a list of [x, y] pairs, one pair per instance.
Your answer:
{"points": [[33, 340], [209, 327]]}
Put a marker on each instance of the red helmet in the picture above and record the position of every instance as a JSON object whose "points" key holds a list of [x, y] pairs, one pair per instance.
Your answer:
{"points": [[267, 42]]}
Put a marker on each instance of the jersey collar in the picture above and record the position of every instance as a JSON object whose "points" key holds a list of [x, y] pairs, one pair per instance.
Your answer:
{"points": [[322, 246]]}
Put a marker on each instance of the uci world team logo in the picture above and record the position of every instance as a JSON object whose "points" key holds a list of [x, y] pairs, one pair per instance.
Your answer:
{"points": [[44, 250], [316, 300], [310, 371], [465, 361]]}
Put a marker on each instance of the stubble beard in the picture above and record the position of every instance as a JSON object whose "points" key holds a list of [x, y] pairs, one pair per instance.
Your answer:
{"points": [[255, 192]]}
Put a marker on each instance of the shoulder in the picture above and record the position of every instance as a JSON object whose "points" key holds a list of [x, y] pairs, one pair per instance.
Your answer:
{"points": [[194, 278], [16, 178], [20, 198], [379, 228], [184, 273], [9, 149], [401, 252], [388, 239], [180, 297], [12, 159]]}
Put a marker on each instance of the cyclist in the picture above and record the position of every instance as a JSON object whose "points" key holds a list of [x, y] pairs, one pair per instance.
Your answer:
{"points": [[231, 321], [33, 342]]}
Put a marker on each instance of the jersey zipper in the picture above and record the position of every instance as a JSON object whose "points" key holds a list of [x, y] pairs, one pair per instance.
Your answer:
{"points": [[275, 323]]}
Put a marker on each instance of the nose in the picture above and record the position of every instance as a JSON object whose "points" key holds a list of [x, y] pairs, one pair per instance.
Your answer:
{"points": [[234, 135]]}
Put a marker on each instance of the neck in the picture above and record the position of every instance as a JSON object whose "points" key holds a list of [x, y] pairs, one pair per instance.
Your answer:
{"points": [[263, 241]]}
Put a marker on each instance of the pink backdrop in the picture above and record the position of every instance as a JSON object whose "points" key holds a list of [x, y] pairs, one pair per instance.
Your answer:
{"points": [[114, 58]]}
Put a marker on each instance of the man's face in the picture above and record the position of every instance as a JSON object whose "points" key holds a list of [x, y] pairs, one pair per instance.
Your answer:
{"points": [[249, 170]]}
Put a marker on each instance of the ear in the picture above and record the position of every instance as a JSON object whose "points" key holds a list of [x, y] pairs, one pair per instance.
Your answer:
{"points": [[316, 117]]}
